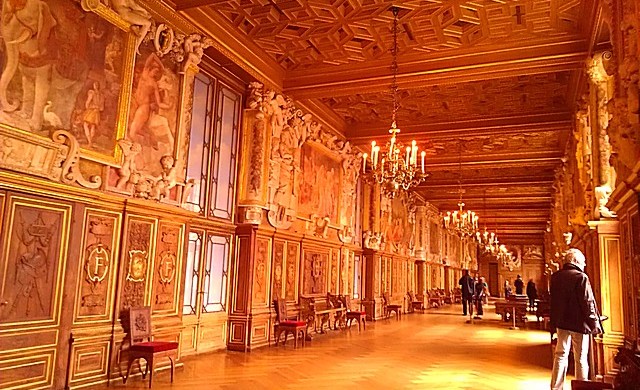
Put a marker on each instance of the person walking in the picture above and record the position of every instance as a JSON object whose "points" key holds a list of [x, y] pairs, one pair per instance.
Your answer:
{"points": [[532, 294], [519, 285], [481, 292], [574, 316], [507, 289], [467, 286]]}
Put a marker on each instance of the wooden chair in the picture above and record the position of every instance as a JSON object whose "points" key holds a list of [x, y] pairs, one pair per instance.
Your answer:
{"points": [[359, 316], [389, 307], [283, 324], [415, 304], [150, 351]]}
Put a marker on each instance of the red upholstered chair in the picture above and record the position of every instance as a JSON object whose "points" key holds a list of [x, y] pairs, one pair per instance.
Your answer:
{"points": [[140, 330], [357, 315], [283, 324]]}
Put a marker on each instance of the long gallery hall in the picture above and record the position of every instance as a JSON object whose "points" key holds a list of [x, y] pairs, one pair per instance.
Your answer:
{"points": [[326, 194]]}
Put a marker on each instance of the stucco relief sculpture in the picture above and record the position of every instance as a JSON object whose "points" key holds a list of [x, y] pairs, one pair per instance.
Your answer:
{"points": [[304, 164], [137, 16], [372, 240], [604, 89], [625, 133]]}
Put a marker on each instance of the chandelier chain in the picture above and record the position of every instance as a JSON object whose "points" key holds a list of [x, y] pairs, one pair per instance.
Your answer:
{"points": [[394, 65]]}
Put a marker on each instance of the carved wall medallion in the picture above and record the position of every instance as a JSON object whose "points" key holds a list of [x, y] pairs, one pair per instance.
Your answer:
{"points": [[97, 264], [137, 266], [167, 268]]}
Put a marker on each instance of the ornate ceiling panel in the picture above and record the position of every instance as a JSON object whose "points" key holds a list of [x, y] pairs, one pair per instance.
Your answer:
{"points": [[509, 96], [302, 34]]}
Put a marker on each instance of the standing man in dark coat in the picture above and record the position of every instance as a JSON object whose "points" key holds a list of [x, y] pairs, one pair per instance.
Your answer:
{"points": [[519, 285], [575, 316], [467, 286], [532, 293]]}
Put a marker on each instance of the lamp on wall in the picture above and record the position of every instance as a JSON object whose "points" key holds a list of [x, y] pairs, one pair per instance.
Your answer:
{"points": [[394, 167]]}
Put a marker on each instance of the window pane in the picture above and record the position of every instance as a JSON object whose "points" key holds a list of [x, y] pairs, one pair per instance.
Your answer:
{"points": [[191, 274], [198, 143], [215, 288], [224, 160]]}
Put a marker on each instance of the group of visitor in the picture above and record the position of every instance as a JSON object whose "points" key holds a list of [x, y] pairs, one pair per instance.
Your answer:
{"points": [[532, 291], [475, 291]]}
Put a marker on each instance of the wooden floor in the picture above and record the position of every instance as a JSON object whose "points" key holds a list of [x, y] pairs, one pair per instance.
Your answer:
{"points": [[436, 350]]}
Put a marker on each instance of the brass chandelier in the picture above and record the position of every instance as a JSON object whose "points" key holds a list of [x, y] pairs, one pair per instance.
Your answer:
{"points": [[488, 241], [461, 222], [394, 168]]}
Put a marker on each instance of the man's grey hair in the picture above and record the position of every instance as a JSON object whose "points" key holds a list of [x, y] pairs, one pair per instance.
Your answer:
{"points": [[575, 256]]}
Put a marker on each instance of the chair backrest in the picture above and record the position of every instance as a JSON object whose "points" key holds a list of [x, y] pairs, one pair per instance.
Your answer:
{"points": [[140, 323], [412, 296], [385, 298], [281, 309], [346, 301]]}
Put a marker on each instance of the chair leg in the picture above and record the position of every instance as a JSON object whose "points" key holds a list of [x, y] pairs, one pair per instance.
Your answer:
{"points": [[124, 380], [173, 366], [364, 323], [150, 366]]}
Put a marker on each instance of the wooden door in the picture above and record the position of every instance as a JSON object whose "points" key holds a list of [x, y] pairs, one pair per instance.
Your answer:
{"points": [[494, 282], [35, 239]]}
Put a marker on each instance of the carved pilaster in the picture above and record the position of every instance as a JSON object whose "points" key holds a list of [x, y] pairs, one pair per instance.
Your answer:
{"points": [[609, 270]]}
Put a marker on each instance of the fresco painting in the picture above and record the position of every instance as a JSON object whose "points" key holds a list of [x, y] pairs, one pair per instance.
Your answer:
{"points": [[62, 68]]}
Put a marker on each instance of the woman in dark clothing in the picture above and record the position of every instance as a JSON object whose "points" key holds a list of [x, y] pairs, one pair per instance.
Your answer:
{"points": [[532, 293]]}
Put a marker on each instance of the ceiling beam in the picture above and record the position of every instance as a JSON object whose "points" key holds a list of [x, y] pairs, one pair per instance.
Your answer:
{"points": [[418, 72]]}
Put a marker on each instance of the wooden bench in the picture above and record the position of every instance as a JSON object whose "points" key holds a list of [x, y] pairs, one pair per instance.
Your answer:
{"points": [[318, 311], [436, 298]]}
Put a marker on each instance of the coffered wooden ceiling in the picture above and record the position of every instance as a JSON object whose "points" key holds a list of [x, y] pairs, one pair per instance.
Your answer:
{"points": [[497, 79]]}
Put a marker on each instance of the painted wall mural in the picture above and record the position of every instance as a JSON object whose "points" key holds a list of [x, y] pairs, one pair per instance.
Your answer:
{"points": [[320, 184], [64, 69], [153, 113]]}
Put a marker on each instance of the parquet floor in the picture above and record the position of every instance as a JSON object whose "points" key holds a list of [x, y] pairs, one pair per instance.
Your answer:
{"points": [[436, 350]]}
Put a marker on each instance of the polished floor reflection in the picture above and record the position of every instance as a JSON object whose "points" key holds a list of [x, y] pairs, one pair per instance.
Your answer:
{"points": [[436, 350]]}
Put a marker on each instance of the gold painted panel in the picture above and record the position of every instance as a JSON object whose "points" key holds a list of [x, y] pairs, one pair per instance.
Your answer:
{"points": [[32, 266], [97, 266], [32, 369], [315, 271], [292, 264], [167, 268], [136, 261], [261, 272], [79, 77]]}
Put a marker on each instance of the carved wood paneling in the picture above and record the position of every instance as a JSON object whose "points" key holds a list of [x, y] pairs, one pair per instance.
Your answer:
{"points": [[334, 271], [510, 96], [292, 265], [315, 272], [98, 266], [261, 272], [136, 261], [305, 35], [167, 269], [278, 273], [35, 239]]}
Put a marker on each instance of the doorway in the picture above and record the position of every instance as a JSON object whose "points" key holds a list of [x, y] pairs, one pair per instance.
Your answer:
{"points": [[494, 285]]}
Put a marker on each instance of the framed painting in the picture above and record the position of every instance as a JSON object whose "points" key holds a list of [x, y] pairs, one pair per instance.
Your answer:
{"points": [[321, 182], [65, 68]]}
